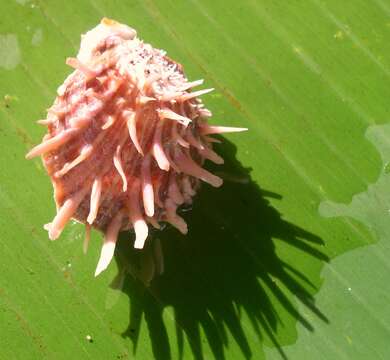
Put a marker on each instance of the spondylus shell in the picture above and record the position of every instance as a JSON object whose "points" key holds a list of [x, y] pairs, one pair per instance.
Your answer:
{"points": [[126, 139]]}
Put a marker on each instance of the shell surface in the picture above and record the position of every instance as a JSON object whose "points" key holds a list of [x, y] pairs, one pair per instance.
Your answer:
{"points": [[127, 138]]}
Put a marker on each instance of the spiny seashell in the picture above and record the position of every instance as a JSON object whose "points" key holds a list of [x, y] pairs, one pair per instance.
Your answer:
{"points": [[126, 139]]}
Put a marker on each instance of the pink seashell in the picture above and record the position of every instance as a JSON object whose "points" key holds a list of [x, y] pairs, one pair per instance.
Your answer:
{"points": [[126, 139]]}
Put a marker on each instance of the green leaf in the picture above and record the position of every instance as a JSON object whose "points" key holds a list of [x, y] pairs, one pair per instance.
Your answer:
{"points": [[287, 260]]}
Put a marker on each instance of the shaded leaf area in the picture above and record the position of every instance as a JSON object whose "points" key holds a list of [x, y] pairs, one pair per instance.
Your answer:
{"points": [[225, 267], [357, 280]]}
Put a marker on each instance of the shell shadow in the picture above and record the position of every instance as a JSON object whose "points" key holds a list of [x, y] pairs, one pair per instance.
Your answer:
{"points": [[224, 268]]}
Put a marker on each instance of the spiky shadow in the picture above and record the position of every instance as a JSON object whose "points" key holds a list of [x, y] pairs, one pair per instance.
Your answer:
{"points": [[225, 268]]}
